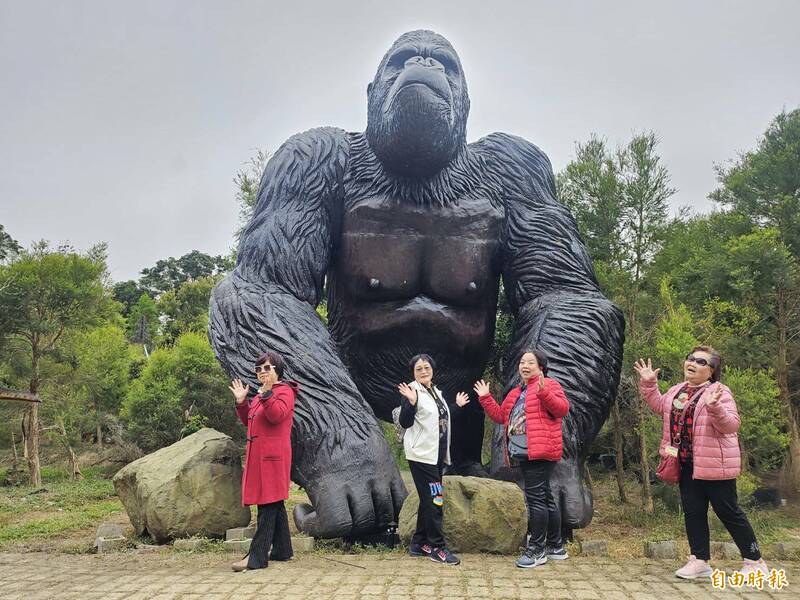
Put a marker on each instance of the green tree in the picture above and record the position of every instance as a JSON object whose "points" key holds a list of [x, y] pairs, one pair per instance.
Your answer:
{"points": [[152, 408], [247, 181], [127, 293], [763, 434], [180, 385], [9, 247], [170, 273], [185, 308], [45, 294], [103, 367], [764, 184], [143, 322]]}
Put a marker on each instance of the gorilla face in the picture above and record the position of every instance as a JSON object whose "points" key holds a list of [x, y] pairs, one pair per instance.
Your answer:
{"points": [[418, 105]]}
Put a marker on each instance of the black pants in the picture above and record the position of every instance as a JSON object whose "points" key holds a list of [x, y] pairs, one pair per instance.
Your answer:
{"points": [[272, 531], [544, 514], [428, 481], [695, 496]]}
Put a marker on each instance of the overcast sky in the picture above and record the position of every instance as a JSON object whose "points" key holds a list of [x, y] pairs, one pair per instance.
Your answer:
{"points": [[126, 122]]}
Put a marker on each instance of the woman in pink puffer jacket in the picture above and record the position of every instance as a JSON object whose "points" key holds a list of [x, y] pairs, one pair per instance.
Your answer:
{"points": [[700, 425]]}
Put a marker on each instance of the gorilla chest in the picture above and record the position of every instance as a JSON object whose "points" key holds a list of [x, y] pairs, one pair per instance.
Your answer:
{"points": [[393, 251]]}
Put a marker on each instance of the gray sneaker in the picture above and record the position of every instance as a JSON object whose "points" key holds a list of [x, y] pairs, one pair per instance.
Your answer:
{"points": [[531, 558], [559, 553]]}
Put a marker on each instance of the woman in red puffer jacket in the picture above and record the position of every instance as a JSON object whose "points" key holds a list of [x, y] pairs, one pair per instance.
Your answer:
{"points": [[532, 415]]}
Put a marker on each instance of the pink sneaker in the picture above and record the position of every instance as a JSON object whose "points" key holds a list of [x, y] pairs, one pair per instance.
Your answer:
{"points": [[694, 569], [751, 566]]}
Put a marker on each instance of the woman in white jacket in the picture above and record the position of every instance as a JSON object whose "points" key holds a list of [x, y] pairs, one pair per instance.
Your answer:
{"points": [[426, 417]]}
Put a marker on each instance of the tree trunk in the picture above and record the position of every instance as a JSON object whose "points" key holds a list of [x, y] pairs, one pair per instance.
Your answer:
{"points": [[647, 497], [790, 475], [32, 445], [75, 471], [99, 433], [32, 431], [16, 457], [619, 449]]}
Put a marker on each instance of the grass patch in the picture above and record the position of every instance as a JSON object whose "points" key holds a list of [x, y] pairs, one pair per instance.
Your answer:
{"points": [[59, 506], [627, 526]]}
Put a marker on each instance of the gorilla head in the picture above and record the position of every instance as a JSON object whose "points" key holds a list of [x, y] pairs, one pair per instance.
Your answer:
{"points": [[418, 105]]}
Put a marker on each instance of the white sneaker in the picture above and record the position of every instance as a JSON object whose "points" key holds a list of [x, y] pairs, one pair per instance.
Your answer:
{"points": [[694, 569], [751, 566]]}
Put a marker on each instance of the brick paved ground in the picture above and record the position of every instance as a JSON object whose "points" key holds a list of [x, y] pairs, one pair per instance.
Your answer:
{"points": [[370, 576]]}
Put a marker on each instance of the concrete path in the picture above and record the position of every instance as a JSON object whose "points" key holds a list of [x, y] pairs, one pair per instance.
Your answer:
{"points": [[389, 576]]}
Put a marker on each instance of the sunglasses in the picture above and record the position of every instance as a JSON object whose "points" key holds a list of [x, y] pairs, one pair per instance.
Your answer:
{"points": [[263, 368], [700, 361]]}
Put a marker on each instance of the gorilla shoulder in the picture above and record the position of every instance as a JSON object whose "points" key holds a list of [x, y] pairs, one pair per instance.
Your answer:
{"points": [[306, 150], [509, 154]]}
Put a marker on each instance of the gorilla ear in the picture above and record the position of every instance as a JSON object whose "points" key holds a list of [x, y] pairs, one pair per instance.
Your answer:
{"points": [[369, 88]]}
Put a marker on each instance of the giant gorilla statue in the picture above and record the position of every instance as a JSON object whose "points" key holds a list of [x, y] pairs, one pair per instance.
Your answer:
{"points": [[413, 228]]}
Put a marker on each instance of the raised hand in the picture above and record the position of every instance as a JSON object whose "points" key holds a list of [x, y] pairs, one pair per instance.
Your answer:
{"points": [[481, 388], [645, 370], [715, 395], [408, 393], [541, 382], [462, 399], [239, 390]]}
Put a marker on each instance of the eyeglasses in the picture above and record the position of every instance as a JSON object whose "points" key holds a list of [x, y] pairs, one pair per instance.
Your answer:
{"points": [[263, 368], [700, 361], [422, 369]]}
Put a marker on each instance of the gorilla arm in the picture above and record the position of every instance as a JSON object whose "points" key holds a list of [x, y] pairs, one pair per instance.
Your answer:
{"points": [[339, 453], [551, 288]]}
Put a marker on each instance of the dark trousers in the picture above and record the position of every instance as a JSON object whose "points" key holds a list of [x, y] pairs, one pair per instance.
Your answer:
{"points": [[695, 496], [272, 531], [544, 514], [428, 481]]}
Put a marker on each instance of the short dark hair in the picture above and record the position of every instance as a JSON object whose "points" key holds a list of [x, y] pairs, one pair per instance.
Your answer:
{"points": [[541, 358], [273, 358], [418, 357], [716, 361]]}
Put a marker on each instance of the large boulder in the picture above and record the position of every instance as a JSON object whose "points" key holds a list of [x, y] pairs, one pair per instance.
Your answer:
{"points": [[191, 488], [480, 515]]}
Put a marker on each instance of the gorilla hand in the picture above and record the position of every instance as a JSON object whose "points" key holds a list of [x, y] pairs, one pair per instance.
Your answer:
{"points": [[353, 484], [571, 494]]}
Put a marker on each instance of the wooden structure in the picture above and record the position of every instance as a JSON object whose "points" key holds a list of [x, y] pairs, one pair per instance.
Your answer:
{"points": [[18, 396]]}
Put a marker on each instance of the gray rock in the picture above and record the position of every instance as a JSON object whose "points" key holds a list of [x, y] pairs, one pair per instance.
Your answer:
{"points": [[661, 550], [189, 544], [787, 550], [240, 533], [105, 545], [725, 551], [110, 530], [240, 546], [594, 548], [480, 515], [191, 488]]}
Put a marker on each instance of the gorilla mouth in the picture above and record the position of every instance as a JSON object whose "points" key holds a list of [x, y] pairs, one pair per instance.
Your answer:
{"points": [[420, 77]]}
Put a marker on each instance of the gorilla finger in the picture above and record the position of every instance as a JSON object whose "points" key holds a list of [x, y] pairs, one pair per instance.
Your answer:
{"points": [[306, 520], [383, 506], [362, 510], [399, 495]]}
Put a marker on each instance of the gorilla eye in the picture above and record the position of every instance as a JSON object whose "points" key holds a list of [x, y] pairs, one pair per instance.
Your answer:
{"points": [[447, 61], [399, 60]]}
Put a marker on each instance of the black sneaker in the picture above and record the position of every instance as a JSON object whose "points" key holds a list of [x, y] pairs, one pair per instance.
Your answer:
{"points": [[420, 550], [556, 553], [444, 556], [531, 558]]}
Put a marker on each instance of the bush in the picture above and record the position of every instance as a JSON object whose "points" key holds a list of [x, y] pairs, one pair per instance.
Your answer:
{"points": [[763, 434]]}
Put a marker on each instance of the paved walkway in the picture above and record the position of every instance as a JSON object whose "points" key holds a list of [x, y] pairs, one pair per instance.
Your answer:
{"points": [[342, 577]]}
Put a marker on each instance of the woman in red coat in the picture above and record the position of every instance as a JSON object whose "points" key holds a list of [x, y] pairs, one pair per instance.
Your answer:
{"points": [[532, 416], [268, 460]]}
